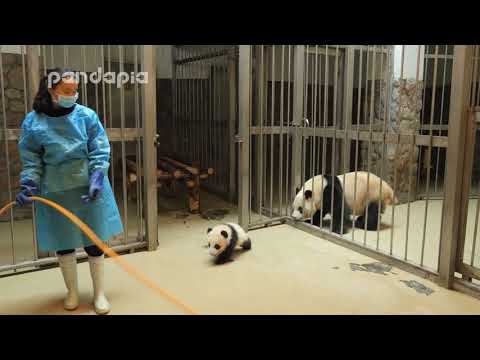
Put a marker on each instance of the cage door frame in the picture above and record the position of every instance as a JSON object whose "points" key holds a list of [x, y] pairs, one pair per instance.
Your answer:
{"points": [[468, 272], [472, 121], [247, 130], [456, 198]]}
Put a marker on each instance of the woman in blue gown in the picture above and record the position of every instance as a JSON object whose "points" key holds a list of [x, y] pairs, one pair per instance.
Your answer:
{"points": [[65, 155]]}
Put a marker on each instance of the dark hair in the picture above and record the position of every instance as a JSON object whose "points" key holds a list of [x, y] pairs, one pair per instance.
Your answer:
{"points": [[43, 101]]}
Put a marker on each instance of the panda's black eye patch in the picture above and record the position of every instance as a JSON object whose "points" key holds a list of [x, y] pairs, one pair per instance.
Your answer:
{"points": [[300, 209], [217, 246], [224, 234]]}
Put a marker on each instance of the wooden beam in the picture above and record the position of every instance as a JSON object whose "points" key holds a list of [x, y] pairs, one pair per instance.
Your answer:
{"points": [[192, 170], [168, 167]]}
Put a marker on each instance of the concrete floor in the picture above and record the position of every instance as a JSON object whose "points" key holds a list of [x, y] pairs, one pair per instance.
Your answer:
{"points": [[396, 239], [424, 227], [286, 272]]}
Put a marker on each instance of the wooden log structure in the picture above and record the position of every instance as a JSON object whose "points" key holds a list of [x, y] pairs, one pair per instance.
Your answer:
{"points": [[191, 169], [170, 170]]}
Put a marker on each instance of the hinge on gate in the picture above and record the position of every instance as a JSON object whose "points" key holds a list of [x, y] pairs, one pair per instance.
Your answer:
{"points": [[303, 123], [238, 139], [476, 114]]}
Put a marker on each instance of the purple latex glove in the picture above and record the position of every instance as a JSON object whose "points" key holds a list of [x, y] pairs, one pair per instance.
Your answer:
{"points": [[29, 188], [96, 187]]}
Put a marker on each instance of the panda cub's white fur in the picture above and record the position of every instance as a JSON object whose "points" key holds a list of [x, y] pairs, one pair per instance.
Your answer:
{"points": [[224, 238]]}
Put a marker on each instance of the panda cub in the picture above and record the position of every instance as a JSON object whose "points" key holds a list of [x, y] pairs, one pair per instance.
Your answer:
{"points": [[224, 238]]}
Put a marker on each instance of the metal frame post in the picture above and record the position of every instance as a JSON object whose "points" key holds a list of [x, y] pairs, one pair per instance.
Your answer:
{"points": [[298, 88], [173, 55], [348, 100], [244, 93], [232, 101], [260, 85], [461, 82], [468, 159], [33, 81], [149, 100]]}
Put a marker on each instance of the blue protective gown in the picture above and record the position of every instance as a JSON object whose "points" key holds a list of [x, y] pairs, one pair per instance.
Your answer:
{"points": [[59, 154]]}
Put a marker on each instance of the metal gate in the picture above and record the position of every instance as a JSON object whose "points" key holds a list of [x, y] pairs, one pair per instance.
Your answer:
{"points": [[468, 252], [128, 113], [205, 113], [384, 109]]}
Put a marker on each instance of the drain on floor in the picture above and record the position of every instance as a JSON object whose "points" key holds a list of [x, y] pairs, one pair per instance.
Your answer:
{"points": [[214, 214], [418, 287], [376, 267]]}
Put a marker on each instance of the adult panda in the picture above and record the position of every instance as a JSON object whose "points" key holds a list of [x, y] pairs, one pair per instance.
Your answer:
{"points": [[361, 191]]}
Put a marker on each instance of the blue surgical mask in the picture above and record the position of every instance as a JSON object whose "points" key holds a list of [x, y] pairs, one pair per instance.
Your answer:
{"points": [[67, 101]]}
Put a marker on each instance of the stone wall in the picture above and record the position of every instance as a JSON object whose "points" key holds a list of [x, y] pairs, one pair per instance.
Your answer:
{"points": [[404, 103], [405, 120], [13, 102]]}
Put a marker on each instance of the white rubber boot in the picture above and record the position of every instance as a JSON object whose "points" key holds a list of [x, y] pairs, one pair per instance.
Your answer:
{"points": [[100, 302], [68, 265]]}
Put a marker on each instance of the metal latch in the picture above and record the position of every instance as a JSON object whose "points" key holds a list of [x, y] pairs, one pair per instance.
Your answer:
{"points": [[303, 122], [156, 141], [238, 139], [476, 112]]}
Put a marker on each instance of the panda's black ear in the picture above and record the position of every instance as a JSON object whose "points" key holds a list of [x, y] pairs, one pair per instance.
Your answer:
{"points": [[208, 230], [297, 190], [224, 234], [308, 194]]}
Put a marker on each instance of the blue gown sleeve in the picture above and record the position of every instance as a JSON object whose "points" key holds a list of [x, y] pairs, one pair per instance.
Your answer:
{"points": [[30, 152], [98, 146]]}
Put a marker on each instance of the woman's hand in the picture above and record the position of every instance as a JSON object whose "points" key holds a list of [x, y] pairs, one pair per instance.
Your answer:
{"points": [[96, 187], [29, 189]]}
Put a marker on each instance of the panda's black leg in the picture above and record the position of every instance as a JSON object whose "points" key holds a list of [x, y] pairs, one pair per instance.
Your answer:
{"points": [[247, 245], [370, 216], [315, 220], [337, 224], [340, 211], [335, 216], [341, 224], [223, 260], [225, 256], [347, 222], [373, 212], [360, 222]]}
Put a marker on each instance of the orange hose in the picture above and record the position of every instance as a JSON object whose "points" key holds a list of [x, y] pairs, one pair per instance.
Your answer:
{"points": [[107, 250]]}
